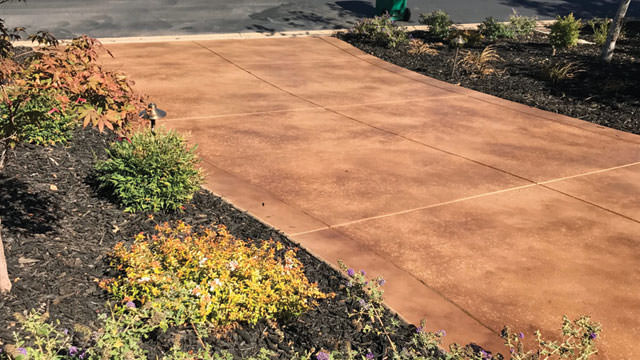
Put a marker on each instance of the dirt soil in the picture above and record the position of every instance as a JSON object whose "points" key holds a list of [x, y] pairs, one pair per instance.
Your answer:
{"points": [[57, 231], [605, 94]]}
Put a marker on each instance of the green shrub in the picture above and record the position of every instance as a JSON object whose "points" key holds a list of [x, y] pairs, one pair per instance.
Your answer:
{"points": [[600, 29], [150, 172], [439, 23], [522, 25], [210, 278], [564, 32], [381, 30], [493, 30], [42, 120]]}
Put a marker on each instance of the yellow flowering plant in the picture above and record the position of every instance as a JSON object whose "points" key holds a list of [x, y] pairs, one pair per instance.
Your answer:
{"points": [[210, 277]]}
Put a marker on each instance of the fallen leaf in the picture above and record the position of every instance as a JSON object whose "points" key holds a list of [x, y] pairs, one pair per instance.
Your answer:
{"points": [[26, 261], [53, 187]]}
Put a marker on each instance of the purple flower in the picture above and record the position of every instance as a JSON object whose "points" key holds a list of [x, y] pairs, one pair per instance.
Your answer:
{"points": [[322, 355], [593, 336], [363, 272], [66, 331], [521, 335], [83, 355], [442, 332], [73, 351], [369, 356], [511, 351], [22, 351], [419, 329], [381, 282], [351, 272], [131, 305]]}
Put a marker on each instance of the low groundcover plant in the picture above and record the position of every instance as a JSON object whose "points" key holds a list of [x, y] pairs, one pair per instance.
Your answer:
{"points": [[210, 278]]}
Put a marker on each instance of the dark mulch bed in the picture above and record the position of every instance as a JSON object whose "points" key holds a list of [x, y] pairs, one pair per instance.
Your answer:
{"points": [[57, 231], [607, 95]]}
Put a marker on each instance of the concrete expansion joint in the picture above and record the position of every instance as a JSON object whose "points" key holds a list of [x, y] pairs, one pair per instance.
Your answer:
{"points": [[515, 188]]}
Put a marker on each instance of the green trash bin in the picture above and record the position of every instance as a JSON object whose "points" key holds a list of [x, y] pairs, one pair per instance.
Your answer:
{"points": [[397, 9]]}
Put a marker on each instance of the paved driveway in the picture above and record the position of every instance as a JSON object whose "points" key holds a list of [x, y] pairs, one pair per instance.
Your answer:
{"points": [[116, 18], [478, 211]]}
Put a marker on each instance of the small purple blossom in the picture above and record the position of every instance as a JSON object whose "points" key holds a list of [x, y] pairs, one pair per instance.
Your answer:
{"points": [[351, 272], [131, 305], [442, 332], [593, 335], [73, 351], [381, 282], [369, 356], [485, 355], [521, 335], [83, 354], [66, 331], [22, 351], [419, 329], [511, 350], [363, 272], [322, 355]]}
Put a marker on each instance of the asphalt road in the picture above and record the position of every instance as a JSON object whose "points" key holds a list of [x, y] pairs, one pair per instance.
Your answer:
{"points": [[116, 18]]}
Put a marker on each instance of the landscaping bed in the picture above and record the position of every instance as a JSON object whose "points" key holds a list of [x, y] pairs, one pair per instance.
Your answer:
{"points": [[604, 94]]}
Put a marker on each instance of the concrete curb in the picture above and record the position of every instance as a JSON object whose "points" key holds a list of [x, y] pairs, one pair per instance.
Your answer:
{"points": [[250, 35]]}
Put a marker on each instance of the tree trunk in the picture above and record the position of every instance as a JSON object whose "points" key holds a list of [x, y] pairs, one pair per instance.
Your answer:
{"points": [[614, 31], [5, 283]]}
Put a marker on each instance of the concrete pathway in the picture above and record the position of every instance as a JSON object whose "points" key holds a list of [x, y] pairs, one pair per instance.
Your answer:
{"points": [[478, 211]]}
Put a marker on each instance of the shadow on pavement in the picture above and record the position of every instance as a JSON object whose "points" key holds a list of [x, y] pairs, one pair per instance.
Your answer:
{"points": [[354, 8], [580, 8]]}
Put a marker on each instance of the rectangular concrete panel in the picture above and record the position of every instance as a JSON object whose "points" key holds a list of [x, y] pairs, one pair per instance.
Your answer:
{"points": [[326, 164], [270, 51], [534, 148], [617, 190], [521, 258]]}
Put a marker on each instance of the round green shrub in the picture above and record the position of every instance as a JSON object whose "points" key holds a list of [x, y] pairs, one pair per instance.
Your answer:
{"points": [[150, 172], [564, 32], [439, 23]]}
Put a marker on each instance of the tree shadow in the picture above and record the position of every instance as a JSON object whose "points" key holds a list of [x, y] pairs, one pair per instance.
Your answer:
{"points": [[580, 8], [353, 8], [24, 210]]}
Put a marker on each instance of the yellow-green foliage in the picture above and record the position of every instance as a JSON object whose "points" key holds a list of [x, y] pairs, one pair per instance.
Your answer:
{"points": [[564, 32], [210, 277]]}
